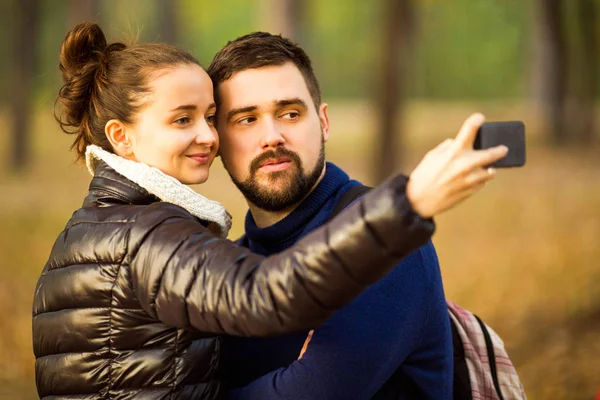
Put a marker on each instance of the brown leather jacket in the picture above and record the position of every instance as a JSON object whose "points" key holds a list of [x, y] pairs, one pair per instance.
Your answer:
{"points": [[136, 291]]}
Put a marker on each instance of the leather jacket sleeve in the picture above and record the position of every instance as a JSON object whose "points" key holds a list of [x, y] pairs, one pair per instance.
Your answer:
{"points": [[186, 277]]}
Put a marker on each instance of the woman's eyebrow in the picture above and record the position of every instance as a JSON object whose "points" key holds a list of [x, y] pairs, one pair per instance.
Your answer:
{"points": [[185, 107], [192, 107]]}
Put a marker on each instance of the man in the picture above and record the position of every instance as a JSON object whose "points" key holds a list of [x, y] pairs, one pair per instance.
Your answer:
{"points": [[394, 341]]}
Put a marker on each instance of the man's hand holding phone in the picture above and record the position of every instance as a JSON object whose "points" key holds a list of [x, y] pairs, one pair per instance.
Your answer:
{"points": [[453, 170]]}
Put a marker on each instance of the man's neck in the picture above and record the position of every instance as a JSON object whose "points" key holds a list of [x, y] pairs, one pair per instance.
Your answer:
{"points": [[264, 218]]}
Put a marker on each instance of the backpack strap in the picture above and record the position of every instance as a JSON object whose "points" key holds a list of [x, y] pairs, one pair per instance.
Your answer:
{"points": [[348, 198], [491, 356], [462, 381]]}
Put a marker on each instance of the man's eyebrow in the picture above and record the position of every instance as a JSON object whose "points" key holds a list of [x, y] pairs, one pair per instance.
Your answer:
{"points": [[233, 112], [278, 103], [291, 102]]}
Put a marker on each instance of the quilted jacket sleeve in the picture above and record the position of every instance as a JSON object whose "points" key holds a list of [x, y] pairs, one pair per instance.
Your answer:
{"points": [[186, 277]]}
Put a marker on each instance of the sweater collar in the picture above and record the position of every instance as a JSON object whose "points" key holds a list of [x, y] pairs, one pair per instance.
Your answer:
{"points": [[144, 183], [297, 220]]}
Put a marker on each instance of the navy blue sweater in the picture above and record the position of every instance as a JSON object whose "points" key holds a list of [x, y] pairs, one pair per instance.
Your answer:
{"points": [[392, 342]]}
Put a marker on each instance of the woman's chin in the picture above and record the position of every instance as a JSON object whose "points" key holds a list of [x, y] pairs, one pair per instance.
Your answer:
{"points": [[194, 179]]}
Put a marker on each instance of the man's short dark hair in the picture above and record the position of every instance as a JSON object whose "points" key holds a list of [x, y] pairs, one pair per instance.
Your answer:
{"points": [[262, 49]]}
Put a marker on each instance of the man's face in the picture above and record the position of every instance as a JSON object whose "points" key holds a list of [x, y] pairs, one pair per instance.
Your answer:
{"points": [[272, 137]]}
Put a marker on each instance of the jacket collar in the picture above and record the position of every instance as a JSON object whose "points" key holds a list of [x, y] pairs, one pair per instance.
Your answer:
{"points": [[109, 187]]}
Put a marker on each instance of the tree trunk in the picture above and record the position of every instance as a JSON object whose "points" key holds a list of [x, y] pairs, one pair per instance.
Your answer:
{"points": [[24, 57], [285, 17], [391, 83], [166, 21], [583, 115], [83, 10], [550, 78]]}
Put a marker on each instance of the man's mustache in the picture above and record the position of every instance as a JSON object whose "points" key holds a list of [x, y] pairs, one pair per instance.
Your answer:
{"points": [[268, 155]]}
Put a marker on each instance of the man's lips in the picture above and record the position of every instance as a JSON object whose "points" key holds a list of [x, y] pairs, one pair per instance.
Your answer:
{"points": [[202, 158], [275, 164]]}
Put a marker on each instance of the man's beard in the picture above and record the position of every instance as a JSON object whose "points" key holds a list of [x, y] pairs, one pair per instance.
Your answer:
{"points": [[292, 184]]}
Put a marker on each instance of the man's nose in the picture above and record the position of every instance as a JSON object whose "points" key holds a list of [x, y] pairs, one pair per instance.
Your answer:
{"points": [[272, 135]]}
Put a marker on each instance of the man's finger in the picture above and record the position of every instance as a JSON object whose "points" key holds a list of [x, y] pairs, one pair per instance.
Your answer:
{"points": [[446, 143], [479, 176], [468, 131], [482, 158]]}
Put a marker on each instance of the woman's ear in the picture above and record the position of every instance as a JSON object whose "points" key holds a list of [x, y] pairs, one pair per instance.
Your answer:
{"points": [[117, 135]]}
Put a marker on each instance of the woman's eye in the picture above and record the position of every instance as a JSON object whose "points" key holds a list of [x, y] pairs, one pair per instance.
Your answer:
{"points": [[182, 121], [210, 119]]}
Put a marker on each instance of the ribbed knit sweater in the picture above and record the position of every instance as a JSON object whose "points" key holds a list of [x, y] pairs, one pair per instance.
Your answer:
{"points": [[392, 342]]}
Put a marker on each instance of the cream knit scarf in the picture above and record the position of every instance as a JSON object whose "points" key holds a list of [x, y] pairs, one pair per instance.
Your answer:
{"points": [[163, 186]]}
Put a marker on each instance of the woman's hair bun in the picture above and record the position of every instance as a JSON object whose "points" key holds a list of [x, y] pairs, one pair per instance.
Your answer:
{"points": [[83, 45], [83, 63]]}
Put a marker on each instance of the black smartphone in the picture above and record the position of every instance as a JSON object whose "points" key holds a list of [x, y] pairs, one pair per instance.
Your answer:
{"points": [[509, 133]]}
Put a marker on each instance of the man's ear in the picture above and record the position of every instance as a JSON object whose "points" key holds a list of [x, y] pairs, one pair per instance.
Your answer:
{"points": [[117, 135], [324, 118]]}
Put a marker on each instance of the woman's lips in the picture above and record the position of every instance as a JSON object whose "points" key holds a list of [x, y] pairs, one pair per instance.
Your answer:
{"points": [[201, 158]]}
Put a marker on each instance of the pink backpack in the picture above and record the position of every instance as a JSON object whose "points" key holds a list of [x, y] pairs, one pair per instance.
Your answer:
{"points": [[491, 374]]}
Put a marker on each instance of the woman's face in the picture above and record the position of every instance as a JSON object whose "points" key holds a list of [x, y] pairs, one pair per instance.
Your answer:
{"points": [[175, 130]]}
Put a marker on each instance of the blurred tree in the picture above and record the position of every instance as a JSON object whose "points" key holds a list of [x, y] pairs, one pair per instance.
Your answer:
{"points": [[471, 49], [550, 78], [83, 10], [583, 113], [286, 17], [567, 69], [394, 67], [6, 22], [24, 61], [167, 26]]}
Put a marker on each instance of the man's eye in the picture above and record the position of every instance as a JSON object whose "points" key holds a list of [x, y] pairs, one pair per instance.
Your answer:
{"points": [[210, 119], [246, 120], [291, 115], [182, 121]]}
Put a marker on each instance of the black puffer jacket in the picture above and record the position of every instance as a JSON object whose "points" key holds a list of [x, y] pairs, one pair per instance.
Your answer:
{"points": [[136, 292]]}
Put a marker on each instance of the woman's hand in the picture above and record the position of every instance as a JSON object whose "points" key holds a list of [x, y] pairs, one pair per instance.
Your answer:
{"points": [[452, 171], [305, 345]]}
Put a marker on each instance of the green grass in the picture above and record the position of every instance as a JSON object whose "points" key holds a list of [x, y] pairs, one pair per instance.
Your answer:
{"points": [[523, 254]]}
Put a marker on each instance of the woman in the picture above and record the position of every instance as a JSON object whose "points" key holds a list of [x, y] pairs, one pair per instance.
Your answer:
{"points": [[140, 284]]}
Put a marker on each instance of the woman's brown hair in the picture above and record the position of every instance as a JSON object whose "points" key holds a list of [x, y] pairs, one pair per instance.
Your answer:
{"points": [[104, 81]]}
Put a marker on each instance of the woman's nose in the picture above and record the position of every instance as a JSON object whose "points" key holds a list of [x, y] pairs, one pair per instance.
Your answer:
{"points": [[207, 135]]}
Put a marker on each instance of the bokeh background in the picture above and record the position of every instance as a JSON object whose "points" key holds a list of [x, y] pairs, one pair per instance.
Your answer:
{"points": [[399, 77]]}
